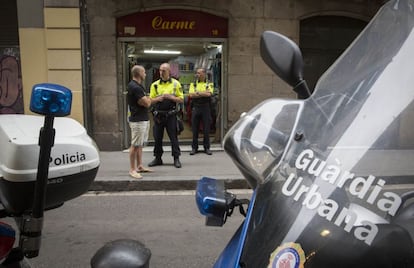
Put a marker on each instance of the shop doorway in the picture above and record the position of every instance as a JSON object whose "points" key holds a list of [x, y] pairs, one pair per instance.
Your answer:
{"points": [[190, 54]]}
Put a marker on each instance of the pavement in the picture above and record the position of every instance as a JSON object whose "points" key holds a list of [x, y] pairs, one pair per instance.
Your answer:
{"points": [[113, 173]]}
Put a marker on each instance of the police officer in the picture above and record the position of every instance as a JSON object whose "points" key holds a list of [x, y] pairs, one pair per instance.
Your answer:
{"points": [[200, 94], [165, 94]]}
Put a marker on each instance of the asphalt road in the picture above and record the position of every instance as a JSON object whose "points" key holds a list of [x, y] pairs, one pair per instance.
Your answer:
{"points": [[168, 223]]}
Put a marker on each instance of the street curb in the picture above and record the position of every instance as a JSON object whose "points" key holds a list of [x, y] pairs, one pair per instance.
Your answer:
{"points": [[118, 186]]}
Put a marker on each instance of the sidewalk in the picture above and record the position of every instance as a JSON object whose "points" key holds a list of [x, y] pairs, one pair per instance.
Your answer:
{"points": [[113, 171]]}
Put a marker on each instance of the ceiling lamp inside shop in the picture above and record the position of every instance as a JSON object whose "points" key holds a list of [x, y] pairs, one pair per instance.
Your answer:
{"points": [[154, 51], [159, 51]]}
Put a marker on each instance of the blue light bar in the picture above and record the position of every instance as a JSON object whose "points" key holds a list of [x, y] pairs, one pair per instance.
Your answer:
{"points": [[210, 197], [51, 99]]}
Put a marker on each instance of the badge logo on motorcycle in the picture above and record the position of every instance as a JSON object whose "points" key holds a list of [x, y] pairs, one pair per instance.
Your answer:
{"points": [[288, 255]]}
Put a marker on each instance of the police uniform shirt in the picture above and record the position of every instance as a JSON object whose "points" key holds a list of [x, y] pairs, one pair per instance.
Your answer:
{"points": [[171, 86], [201, 87]]}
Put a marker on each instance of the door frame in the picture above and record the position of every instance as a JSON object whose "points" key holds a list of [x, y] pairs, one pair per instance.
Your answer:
{"points": [[122, 77]]}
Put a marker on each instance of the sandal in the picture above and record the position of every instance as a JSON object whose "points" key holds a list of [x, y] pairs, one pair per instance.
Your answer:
{"points": [[135, 175], [144, 169]]}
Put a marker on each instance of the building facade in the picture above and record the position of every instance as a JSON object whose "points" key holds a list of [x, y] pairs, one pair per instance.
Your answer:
{"points": [[90, 45]]}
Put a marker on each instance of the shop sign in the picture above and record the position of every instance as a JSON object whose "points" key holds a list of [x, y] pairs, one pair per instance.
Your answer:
{"points": [[172, 23]]}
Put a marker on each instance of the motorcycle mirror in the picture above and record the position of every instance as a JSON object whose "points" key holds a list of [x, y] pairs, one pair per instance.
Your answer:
{"points": [[122, 253], [283, 56]]}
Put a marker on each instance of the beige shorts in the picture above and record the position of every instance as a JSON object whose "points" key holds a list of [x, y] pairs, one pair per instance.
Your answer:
{"points": [[139, 133]]}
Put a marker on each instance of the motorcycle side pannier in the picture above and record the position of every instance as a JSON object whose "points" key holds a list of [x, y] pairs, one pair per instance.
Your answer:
{"points": [[73, 163]]}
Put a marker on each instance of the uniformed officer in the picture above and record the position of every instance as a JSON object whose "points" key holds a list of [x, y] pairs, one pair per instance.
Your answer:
{"points": [[165, 93], [200, 94]]}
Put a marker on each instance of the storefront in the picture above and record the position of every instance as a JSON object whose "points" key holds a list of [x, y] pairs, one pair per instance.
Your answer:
{"points": [[210, 33], [89, 46], [187, 40]]}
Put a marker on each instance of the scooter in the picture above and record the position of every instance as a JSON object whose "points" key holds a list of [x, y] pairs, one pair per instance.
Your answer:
{"points": [[332, 173]]}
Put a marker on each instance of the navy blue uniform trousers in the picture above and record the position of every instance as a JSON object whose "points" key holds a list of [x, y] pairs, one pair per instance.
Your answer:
{"points": [[168, 122], [201, 113]]}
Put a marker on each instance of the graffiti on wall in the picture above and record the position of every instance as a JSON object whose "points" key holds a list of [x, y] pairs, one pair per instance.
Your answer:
{"points": [[11, 90]]}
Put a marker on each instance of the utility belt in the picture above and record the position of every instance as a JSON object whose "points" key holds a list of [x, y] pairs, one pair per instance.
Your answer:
{"points": [[161, 116], [161, 113]]}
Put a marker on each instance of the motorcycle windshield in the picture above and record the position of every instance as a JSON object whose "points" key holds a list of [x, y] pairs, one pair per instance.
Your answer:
{"points": [[340, 195]]}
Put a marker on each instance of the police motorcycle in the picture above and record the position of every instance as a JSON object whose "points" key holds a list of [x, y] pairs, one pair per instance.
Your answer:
{"points": [[332, 175], [44, 162]]}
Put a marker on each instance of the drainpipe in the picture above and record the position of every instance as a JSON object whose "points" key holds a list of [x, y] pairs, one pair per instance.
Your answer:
{"points": [[86, 68]]}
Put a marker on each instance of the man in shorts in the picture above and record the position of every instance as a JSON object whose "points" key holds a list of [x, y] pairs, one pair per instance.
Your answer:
{"points": [[138, 103]]}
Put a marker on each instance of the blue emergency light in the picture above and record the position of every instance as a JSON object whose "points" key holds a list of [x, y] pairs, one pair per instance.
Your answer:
{"points": [[210, 197], [51, 99]]}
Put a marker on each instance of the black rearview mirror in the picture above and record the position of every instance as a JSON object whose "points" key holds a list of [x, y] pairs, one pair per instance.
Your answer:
{"points": [[283, 56]]}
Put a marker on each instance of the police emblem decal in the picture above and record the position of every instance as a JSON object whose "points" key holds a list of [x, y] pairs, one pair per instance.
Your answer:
{"points": [[288, 255]]}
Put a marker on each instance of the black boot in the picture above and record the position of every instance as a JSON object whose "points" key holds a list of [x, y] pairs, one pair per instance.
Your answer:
{"points": [[207, 151], [156, 162], [177, 162]]}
